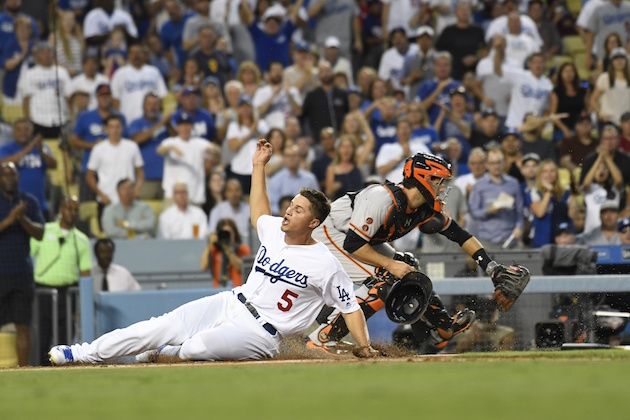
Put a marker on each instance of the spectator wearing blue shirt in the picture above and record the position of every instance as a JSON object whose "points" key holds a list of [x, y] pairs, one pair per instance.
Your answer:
{"points": [[272, 36], [420, 128], [496, 204], [149, 131], [20, 219], [90, 129], [437, 90], [172, 31], [31, 158], [384, 129], [17, 55], [7, 19], [203, 122]]}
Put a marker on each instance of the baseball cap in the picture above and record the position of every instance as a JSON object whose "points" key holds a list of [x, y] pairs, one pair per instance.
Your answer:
{"points": [[332, 42], [276, 11], [531, 156], [103, 89], [511, 132], [245, 99], [184, 118], [424, 30], [210, 79], [564, 227], [190, 89], [301, 46], [623, 223], [609, 205], [618, 52], [625, 116], [488, 112]]}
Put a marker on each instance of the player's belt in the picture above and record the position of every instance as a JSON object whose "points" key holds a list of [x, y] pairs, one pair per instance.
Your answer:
{"points": [[270, 328]]}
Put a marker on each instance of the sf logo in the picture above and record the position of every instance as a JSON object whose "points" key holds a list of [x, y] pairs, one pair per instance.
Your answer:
{"points": [[343, 295]]}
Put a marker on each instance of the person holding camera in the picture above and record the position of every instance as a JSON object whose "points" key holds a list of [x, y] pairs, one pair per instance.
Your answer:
{"points": [[223, 255]]}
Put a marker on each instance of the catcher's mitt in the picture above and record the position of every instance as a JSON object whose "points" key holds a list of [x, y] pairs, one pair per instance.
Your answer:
{"points": [[509, 282]]}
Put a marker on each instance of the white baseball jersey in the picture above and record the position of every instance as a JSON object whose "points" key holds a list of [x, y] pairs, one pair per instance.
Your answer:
{"points": [[188, 168], [528, 94], [289, 284], [113, 163], [280, 108], [391, 151], [500, 26], [242, 161], [40, 84], [518, 48], [130, 85], [392, 62], [85, 84], [585, 14], [98, 22]]}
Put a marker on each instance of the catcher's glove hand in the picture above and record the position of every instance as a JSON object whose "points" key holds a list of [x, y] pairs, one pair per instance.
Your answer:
{"points": [[509, 282]]}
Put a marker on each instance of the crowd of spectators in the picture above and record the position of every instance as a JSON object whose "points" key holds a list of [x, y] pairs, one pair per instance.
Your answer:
{"points": [[163, 100]]}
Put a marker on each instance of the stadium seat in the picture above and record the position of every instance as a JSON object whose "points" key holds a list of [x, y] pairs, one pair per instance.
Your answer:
{"points": [[574, 6], [169, 103], [12, 113], [573, 45], [157, 206]]}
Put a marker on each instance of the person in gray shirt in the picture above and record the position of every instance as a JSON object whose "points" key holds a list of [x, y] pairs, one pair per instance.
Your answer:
{"points": [[129, 218], [606, 234]]}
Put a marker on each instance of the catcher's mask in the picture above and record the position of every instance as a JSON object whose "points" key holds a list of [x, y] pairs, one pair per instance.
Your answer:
{"points": [[408, 298], [428, 173]]}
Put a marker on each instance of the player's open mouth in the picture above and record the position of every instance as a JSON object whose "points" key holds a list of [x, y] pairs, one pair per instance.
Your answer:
{"points": [[285, 221]]}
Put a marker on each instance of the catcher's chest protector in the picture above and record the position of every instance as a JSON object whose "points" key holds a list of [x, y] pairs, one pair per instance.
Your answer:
{"points": [[398, 222]]}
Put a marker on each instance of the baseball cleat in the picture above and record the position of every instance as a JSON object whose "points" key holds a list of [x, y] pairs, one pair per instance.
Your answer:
{"points": [[461, 321], [60, 355]]}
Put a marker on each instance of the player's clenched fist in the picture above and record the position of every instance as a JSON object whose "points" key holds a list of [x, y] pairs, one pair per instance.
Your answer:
{"points": [[263, 153]]}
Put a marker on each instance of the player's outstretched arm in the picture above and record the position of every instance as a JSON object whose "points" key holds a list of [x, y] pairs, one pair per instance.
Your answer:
{"points": [[258, 198], [358, 328]]}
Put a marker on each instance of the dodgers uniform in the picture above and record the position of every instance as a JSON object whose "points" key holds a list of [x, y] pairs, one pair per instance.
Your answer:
{"points": [[286, 289], [130, 85]]}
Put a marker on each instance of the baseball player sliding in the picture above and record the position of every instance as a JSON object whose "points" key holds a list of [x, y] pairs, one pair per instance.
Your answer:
{"points": [[358, 231], [293, 276]]}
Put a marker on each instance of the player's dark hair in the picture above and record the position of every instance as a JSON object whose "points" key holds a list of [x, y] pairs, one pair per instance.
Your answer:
{"points": [[320, 204], [111, 117], [104, 241]]}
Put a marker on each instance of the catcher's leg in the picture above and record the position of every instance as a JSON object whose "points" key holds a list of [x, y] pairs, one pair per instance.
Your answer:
{"points": [[438, 326], [333, 327]]}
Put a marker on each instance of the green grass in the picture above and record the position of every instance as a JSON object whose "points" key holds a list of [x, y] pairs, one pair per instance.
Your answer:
{"points": [[579, 384]]}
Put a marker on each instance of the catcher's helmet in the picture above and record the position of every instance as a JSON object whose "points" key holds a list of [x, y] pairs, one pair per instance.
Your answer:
{"points": [[421, 169], [408, 298]]}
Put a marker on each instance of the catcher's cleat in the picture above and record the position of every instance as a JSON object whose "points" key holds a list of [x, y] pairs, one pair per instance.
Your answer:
{"points": [[60, 355], [462, 320]]}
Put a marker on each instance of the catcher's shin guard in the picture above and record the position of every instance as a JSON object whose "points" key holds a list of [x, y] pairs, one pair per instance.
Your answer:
{"points": [[333, 327]]}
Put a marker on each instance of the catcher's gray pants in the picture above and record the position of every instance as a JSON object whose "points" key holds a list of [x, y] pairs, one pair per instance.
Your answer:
{"points": [[217, 327]]}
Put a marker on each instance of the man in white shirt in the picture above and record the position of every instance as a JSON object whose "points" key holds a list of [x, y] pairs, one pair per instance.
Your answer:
{"points": [[393, 60], [100, 21], [499, 26], [391, 158], [89, 80], [519, 46], [338, 63], [39, 87], [289, 180], [277, 100], [113, 160], [182, 220], [530, 88], [233, 207], [184, 160], [107, 276], [132, 82]]}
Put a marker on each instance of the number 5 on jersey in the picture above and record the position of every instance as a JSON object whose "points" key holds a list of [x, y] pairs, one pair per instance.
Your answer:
{"points": [[286, 297]]}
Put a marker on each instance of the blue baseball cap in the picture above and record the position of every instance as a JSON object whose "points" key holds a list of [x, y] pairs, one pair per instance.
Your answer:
{"points": [[184, 118], [301, 46], [623, 223], [245, 99], [211, 79], [511, 132], [190, 89]]}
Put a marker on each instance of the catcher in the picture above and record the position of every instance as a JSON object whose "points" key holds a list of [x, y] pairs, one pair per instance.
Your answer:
{"points": [[357, 232]]}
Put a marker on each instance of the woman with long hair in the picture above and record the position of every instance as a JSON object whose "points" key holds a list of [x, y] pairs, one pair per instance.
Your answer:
{"points": [[355, 126], [249, 75], [611, 97], [612, 41], [568, 96], [278, 140], [370, 107], [68, 42], [224, 255], [191, 76], [242, 136], [343, 174], [549, 203], [215, 184]]}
